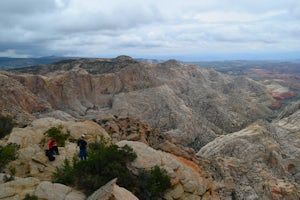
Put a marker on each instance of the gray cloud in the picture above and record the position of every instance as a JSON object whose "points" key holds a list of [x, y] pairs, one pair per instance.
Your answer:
{"points": [[95, 28]]}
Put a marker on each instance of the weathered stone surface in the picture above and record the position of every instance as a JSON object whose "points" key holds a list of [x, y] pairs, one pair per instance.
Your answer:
{"points": [[75, 195], [18, 188], [147, 157], [112, 191], [32, 140], [52, 191], [129, 128], [185, 175], [259, 162], [7, 192], [191, 103], [177, 192]]}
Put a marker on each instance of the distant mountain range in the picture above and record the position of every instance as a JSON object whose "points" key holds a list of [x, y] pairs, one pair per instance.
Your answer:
{"points": [[11, 63]]}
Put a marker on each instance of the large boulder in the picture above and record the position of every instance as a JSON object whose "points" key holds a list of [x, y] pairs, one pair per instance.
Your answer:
{"points": [[112, 191], [56, 191], [17, 188], [186, 177]]}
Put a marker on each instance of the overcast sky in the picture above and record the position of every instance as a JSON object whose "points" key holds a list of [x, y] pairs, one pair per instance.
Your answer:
{"points": [[181, 29]]}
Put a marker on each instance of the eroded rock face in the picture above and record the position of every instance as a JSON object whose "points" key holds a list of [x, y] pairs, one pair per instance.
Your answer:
{"points": [[186, 178], [259, 162], [194, 105], [18, 101], [132, 129]]}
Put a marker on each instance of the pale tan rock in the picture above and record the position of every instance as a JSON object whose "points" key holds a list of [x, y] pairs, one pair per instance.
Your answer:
{"points": [[177, 192], [147, 157], [75, 195], [25, 137], [112, 191], [18, 188], [7, 192], [92, 130], [185, 175], [33, 143], [20, 183], [52, 191]]}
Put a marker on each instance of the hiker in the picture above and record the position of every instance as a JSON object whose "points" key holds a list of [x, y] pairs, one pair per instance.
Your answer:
{"points": [[82, 146], [52, 146]]}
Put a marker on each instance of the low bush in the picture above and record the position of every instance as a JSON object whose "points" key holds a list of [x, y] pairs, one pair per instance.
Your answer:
{"points": [[57, 134], [6, 125], [108, 161], [64, 174], [152, 184], [8, 153]]}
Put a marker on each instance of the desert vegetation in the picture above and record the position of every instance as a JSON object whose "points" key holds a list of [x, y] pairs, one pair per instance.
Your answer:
{"points": [[107, 161], [8, 153], [58, 135]]}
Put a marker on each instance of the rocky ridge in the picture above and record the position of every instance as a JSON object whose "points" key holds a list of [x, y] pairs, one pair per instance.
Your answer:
{"points": [[259, 162], [161, 108], [192, 104], [186, 178]]}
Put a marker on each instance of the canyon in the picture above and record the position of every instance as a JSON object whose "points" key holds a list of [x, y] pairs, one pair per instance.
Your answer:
{"points": [[212, 131]]}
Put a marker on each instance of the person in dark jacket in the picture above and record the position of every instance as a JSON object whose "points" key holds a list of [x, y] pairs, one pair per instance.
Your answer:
{"points": [[82, 146]]}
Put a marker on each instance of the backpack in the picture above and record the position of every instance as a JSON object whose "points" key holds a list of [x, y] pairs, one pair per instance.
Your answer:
{"points": [[49, 154]]}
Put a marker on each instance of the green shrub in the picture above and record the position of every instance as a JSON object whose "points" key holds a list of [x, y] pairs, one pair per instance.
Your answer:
{"points": [[8, 153], [56, 134], [64, 174], [108, 161], [104, 163], [6, 125], [30, 197], [153, 184]]}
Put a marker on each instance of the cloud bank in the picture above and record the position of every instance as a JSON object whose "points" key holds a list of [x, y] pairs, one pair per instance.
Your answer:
{"points": [[98, 28]]}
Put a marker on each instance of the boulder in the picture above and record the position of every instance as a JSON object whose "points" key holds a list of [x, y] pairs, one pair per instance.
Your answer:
{"points": [[186, 177], [56, 191], [112, 191], [18, 187]]}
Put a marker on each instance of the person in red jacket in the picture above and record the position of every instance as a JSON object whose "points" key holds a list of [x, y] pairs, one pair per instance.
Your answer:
{"points": [[52, 146]]}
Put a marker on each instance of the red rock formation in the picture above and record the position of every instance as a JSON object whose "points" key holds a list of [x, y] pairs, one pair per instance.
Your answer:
{"points": [[276, 105], [284, 95]]}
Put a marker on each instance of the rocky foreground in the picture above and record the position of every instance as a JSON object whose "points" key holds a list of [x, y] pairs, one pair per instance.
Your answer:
{"points": [[212, 133], [34, 170]]}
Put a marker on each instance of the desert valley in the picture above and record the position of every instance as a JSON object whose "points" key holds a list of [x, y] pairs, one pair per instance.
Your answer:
{"points": [[218, 133]]}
